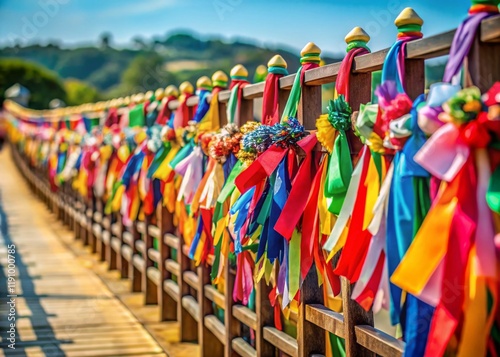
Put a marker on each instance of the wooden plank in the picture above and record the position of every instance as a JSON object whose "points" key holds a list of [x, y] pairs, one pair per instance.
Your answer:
{"points": [[171, 240], [231, 324], [191, 306], [128, 238], [172, 266], [254, 90], [154, 275], [172, 289], [154, 231], [97, 217], [115, 229], [215, 296], [138, 262], [265, 317], [154, 255], [167, 304], [481, 57], [379, 342], [140, 245], [490, 29], [209, 346], [216, 327], [141, 227], [325, 318], [353, 315], [281, 341], [191, 278], [116, 244], [127, 253], [245, 315], [243, 348], [310, 337]]}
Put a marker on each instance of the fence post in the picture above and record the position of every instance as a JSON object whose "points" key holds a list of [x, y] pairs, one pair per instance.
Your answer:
{"points": [[310, 338], [231, 324], [149, 288], [483, 63], [354, 314], [168, 310], [188, 325], [136, 274], [111, 255], [121, 262]]}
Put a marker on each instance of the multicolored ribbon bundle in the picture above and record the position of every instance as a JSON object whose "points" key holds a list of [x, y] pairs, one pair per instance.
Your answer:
{"points": [[412, 221]]}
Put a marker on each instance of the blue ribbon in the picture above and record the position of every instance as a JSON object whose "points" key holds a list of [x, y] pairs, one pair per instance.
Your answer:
{"points": [[390, 69], [241, 206], [281, 189], [203, 105], [133, 166]]}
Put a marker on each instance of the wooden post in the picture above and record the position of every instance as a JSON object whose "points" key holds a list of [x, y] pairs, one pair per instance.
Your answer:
{"points": [[415, 77], [76, 222], [84, 227], [246, 111], [222, 114], [168, 310], [149, 287], [359, 92], [483, 63], [310, 338], [121, 262], [265, 317], [231, 324], [188, 325], [111, 254], [209, 343], [309, 106], [101, 249], [92, 237], [354, 315], [136, 274]]}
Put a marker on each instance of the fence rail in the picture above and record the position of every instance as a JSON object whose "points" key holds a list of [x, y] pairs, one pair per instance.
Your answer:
{"points": [[152, 255]]}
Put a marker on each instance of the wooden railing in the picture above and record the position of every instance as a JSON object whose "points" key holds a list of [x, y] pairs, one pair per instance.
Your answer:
{"points": [[166, 275]]}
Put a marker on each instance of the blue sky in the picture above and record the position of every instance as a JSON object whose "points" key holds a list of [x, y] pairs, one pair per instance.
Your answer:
{"points": [[292, 23]]}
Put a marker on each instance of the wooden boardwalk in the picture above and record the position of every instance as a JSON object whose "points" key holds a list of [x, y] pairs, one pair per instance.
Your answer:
{"points": [[65, 306]]}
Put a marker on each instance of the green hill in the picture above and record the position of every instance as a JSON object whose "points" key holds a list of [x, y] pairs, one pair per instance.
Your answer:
{"points": [[178, 57]]}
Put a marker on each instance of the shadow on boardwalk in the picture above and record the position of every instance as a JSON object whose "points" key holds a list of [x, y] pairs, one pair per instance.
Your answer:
{"points": [[45, 335]]}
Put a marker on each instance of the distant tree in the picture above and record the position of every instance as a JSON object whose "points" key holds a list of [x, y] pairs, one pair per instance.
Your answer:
{"points": [[78, 92], [105, 40], [43, 84], [146, 72], [139, 43]]}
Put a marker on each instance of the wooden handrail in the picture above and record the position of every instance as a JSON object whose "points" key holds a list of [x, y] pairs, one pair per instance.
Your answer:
{"points": [[424, 48]]}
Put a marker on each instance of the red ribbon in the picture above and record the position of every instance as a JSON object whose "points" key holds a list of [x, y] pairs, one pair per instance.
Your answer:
{"points": [[297, 199], [357, 242], [165, 113], [182, 117], [270, 101], [260, 169]]}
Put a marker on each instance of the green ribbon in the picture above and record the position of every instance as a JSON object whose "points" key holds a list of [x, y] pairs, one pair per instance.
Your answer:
{"points": [[339, 173], [232, 104], [136, 116], [357, 44], [182, 154], [410, 28], [493, 192], [292, 103]]}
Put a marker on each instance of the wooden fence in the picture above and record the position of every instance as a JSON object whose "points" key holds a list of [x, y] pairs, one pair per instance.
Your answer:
{"points": [[152, 255]]}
